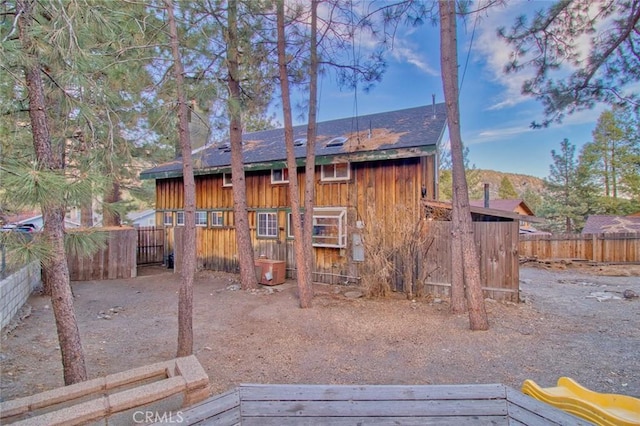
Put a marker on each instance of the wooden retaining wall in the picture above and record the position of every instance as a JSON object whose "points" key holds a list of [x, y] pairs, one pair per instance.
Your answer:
{"points": [[116, 260], [615, 248]]}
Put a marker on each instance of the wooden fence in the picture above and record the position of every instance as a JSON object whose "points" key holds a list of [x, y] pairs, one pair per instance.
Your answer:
{"points": [[150, 245], [614, 248], [116, 260], [497, 245]]}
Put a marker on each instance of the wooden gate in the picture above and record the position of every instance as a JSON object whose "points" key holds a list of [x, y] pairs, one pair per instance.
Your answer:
{"points": [[150, 245]]}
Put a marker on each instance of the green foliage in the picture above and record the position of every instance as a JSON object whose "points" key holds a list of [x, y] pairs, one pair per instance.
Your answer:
{"points": [[506, 191], [553, 41], [445, 182], [569, 195], [23, 248], [85, 242], [612, 156], [533, 199]]}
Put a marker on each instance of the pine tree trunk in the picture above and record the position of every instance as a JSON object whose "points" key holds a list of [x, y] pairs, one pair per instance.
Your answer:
{"points": [[463, 224], [310, 166], [111, 196], [73, 362], [248, 279], [458, 303], [305, 290], [185, 296]]}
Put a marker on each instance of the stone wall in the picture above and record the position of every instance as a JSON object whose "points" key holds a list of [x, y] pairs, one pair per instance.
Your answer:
{"points": [[15, 290]]}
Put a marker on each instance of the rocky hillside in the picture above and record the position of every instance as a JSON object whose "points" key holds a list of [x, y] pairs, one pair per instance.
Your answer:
{"points": [[520, 182]]}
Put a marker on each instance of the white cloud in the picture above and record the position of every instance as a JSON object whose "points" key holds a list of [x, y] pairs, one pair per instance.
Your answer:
{"points": [[404, 51], [495, 54], [495, 134]]}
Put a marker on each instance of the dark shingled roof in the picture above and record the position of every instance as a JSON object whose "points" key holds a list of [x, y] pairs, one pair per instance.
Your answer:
{"points": [[599, 224], [393, 134]]}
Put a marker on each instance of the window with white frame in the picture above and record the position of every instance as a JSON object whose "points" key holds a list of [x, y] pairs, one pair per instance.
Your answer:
{"points": [[217, 219], [290, 224], [331, 172], [201, 218], [280, 176], [267, 225], [179, 218], [167, 218], [226, 179], [330, 227]]}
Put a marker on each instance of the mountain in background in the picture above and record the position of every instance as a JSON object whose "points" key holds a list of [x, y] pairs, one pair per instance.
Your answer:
{"points": [[521, 183]]}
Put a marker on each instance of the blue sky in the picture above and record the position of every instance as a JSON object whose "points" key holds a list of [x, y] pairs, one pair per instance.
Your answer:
{"points": [[495, 117]]}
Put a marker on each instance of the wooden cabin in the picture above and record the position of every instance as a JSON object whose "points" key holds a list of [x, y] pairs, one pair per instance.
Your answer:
{"points": [[375, 162]]}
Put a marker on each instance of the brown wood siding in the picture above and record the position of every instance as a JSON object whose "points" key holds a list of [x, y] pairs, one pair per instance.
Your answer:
{"points": [[381, 185]]}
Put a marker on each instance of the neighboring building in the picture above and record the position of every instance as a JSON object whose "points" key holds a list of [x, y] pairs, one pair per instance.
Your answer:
{"points": [[143, 218], [608, 224], [389, 162], [514, 206], [518, 206], [35, 218]]}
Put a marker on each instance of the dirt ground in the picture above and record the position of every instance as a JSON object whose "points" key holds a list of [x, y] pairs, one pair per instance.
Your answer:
{"points": [[561, 329]]}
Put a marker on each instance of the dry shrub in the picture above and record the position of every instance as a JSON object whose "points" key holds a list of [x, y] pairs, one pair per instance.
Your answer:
{"points": [[395, 248]]}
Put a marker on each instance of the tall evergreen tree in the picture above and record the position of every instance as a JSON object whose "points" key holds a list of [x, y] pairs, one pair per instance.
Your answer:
{"points": [[466, 275], [305, 289], [26, 17], [506, 191], [567, 193], [187, 272], [611, 158]]}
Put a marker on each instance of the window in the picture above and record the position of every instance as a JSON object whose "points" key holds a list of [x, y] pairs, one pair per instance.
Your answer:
{"points": [[340, 171], [280, 176], [330, 227], [226, 179], [167, 218], [179, 218], [217, 219], [201, 218], [290, 224], [339, 141], [267, 225]]}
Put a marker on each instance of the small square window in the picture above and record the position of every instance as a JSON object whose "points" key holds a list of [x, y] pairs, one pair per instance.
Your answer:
{"points": [[167, 218], [217, 219], [226, 180], [267, 225], [280, 176], [332, 172], [179, 218], [201, 218]]}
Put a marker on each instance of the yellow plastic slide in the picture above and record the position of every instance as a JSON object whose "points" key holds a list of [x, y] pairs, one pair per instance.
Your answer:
{"points": [[599, 408]]}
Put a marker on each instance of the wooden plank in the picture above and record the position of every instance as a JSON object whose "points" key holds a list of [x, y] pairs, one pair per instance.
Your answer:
{"points": [[374, 408], [223, 409], [528, 410], [376, 421], [257, 392]]}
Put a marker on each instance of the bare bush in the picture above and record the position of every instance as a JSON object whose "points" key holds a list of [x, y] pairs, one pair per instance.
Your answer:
{"points": [[395, 248]]}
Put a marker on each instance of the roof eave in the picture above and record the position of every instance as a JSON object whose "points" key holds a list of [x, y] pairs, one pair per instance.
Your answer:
{"points": [[352, 157]]}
